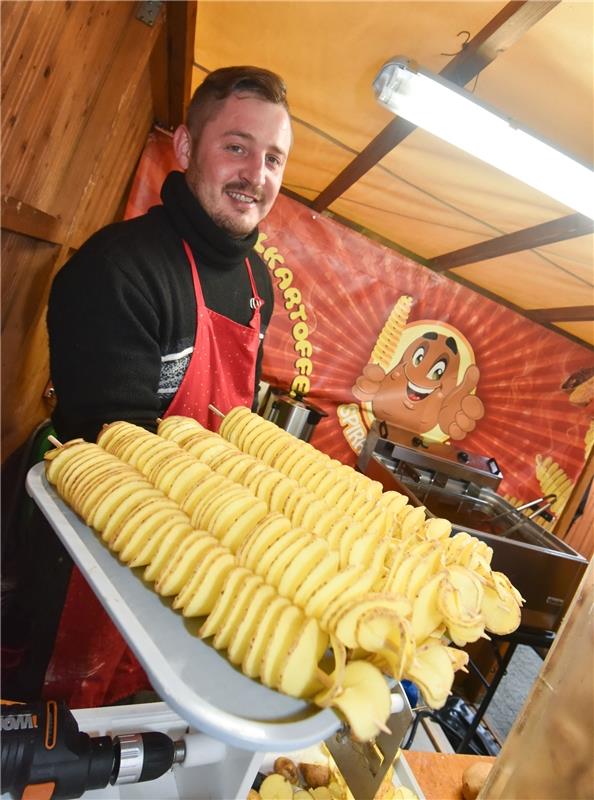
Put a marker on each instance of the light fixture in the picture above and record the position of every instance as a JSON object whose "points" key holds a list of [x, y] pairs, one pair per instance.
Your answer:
{"points": [[453, 114]]}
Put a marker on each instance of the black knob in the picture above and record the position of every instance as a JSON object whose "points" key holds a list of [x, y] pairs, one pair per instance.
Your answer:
{"points": [[463, 457], [158, 755]]}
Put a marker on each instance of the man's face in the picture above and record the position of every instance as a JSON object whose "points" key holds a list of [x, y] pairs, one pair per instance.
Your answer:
{"points": [[236, 167]]}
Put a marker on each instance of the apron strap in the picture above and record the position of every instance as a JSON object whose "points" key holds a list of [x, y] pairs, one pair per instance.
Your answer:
{"points": [[195, 281], [256, 302]]}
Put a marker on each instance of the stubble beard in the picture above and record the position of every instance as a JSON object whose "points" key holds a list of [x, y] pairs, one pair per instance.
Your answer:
{"points": [[234, 226], [231, 225]]}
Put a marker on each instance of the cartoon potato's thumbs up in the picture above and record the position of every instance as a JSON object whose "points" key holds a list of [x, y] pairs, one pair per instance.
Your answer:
{"points": [[461, 409], [368, 382]]}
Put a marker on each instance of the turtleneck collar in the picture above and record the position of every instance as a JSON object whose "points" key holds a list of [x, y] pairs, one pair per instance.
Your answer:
{"points": [[209, 242]]}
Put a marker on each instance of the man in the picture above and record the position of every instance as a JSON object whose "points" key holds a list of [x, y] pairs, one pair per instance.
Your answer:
{"points": [[165, 314]]}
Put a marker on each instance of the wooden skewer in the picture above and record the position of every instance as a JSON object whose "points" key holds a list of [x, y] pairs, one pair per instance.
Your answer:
{"points": [[216, 411], [382, 727], [324, 678], [54, 441]]}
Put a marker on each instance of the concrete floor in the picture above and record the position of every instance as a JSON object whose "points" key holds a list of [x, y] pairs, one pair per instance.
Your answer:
{"points": [[512, 692], [507, 702]]}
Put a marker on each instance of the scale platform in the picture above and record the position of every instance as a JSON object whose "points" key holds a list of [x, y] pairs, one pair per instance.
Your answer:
{"points": [[193, 678]]}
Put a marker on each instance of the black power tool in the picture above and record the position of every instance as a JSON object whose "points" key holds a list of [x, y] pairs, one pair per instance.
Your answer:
{"points": [[44, 755]]}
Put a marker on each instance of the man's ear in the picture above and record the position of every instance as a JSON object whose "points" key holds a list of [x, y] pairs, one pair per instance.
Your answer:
{"points": [[182, 146]]}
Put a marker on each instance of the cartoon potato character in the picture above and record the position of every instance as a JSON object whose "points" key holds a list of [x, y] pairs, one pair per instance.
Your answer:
{"points": [[425, 388]]}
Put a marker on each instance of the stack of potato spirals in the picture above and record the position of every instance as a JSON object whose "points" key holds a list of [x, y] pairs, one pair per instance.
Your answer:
{"points": [[285, 551]]}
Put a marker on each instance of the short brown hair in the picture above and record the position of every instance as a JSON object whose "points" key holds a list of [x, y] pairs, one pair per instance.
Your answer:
{"points": [[220, 84]]}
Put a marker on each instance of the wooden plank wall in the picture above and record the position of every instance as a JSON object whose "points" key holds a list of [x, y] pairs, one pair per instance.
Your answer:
{"points": [[76, 111]]}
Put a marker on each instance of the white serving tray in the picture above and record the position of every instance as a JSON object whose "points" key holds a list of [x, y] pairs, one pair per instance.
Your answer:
{"points": [[403, 775], [193, 678]]}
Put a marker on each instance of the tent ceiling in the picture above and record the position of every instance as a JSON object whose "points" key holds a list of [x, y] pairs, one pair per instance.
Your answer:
{"points": [[533, 61]]}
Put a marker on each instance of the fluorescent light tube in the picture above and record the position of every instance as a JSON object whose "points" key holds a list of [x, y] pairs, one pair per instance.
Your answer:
{"points": [[454, 115]]}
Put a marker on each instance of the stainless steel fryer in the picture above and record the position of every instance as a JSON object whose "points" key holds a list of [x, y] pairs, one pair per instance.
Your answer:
{"points": [[461, 487]]}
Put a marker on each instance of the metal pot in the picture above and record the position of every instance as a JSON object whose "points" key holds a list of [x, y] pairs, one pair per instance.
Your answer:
{"points": [[292, 414]]}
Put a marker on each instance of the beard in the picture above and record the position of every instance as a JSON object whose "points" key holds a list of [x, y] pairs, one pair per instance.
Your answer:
{"points": [[236, 225]]}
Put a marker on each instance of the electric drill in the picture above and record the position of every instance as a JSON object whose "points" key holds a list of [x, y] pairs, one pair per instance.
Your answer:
{"points": [[44, 755]]}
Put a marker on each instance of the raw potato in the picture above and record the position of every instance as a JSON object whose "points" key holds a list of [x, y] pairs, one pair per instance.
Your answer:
{"points": [[322, 793], [275, 787], [364, 699], [315, 775], [336, 790], [474, 778], [287, 550], [288, 769], [386, 788]]}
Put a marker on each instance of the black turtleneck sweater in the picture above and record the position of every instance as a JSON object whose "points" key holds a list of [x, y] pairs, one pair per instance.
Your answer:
{"points": [[122, 313]]}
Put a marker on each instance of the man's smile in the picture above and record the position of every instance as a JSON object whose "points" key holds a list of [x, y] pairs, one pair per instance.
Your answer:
{"points": [[242, 198]]}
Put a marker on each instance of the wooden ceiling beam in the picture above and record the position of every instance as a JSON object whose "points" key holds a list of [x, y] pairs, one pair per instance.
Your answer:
{"points": [[502, 32], [502, 301], [171, 64], [506, 28], [474, 287], [20, 217], [568, 314], [557, 230]]}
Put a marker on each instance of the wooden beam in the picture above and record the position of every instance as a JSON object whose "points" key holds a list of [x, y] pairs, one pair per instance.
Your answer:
{"points": [[502, 301], [181, 33], [506, 28], [159, 80], [568, 314], [577, 493], [474, 287], [20, 217], [499, 34], [527, 239]]}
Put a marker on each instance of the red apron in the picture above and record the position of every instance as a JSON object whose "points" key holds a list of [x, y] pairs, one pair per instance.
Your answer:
{"points": [[91, 664], [223, 365]]}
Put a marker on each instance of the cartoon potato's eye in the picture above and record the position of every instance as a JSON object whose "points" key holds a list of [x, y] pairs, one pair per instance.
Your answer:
{"points": [[437, 370], [418, 356]]}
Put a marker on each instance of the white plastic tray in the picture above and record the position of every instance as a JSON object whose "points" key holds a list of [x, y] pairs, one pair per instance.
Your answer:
{"points": [[403, 775], [193, 678]]}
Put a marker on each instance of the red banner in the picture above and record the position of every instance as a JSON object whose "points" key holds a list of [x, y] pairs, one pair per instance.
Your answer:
{"points": [[365, 332]]}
